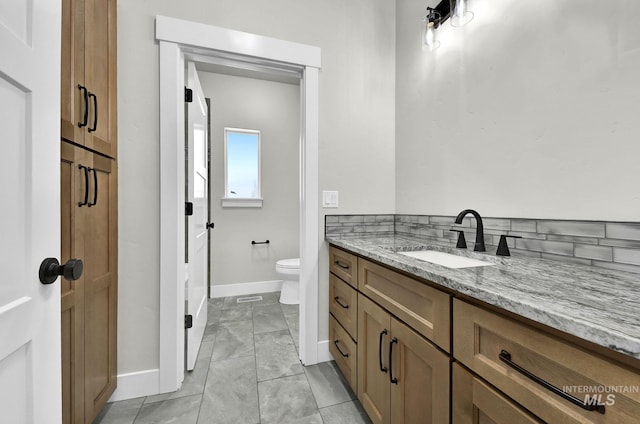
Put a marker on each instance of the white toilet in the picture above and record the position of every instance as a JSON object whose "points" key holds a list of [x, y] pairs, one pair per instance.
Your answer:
{"points": [[289, 269]]}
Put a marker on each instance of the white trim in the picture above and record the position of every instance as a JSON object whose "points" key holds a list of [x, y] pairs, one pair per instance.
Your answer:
{"points": [[309, 220], [240, 202], [323, 352], [224, 40], [136, 384], [177, 39], [239, 289], [172, 267]]}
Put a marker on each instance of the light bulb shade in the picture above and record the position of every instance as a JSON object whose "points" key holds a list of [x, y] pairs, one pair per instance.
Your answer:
{"points": [[429, 39], [460, 14]]}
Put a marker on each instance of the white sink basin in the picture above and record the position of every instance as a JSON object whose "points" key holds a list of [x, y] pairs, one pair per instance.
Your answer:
{"points": [[445, 259]]}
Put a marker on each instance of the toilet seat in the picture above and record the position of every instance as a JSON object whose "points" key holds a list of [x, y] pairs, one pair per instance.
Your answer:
{"points": [[293, 263]]}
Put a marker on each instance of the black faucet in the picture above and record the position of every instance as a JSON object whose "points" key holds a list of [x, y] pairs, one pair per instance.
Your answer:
{"points": [[479, 247]]}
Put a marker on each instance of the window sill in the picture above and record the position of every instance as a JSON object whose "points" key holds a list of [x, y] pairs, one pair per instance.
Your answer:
{"points": [[232, 202]]}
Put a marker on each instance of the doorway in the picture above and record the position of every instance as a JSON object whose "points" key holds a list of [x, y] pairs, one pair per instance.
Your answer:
{"points": [[181, 41]]}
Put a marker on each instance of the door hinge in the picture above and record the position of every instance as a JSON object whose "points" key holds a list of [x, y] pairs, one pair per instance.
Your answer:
{"points": [[188, 95], [210, 225], [188, 208], [188, 321]]}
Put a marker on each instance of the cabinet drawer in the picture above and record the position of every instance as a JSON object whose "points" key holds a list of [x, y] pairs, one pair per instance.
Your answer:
{"points": [[343, 350], [481, 338], [475, 402], [344, 265], [424, 308], [343, 305]]}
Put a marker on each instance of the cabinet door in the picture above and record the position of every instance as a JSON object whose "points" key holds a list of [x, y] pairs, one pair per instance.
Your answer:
{"points": [[373, 375], [73, 187], [100, 75], [343, 304], [72, 101], [419, 378], [100, 286], [475, 402]]}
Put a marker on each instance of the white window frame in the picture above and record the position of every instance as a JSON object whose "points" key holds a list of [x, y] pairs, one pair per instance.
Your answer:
{"points": [[242, 202]]}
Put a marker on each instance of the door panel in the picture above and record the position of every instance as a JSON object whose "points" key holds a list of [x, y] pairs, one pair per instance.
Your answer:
{"points": [[421, 395], [373, 384], [100, 74], [30, 380], [100, 286], [72, 189], [72, 102], [197, 192]]}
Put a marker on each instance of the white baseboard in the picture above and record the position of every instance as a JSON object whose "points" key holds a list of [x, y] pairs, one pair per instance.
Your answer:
{"points": [[323, 351], [137, 384], [239, 289]]}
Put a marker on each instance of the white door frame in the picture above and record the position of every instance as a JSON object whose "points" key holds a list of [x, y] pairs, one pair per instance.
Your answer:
{"points": [[179, 38]]}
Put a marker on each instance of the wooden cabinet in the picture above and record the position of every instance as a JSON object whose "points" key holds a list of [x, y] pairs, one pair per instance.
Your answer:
{"points": [[88, 107], [343, 308], [344, 351], [88, 127], [344, 265], [402, 377], [425, 309], [526, 364], [475, 402], [89, 305], [343, 305]]}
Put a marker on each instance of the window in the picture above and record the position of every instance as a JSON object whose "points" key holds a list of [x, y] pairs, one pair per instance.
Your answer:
{"points": [[242, 168]]}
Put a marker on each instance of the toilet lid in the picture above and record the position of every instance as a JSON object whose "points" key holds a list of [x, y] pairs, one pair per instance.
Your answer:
{"points": [[293, 263]]}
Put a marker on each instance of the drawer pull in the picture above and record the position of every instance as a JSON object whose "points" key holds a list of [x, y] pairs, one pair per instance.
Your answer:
{"points": [[382, 367], [337, 299], [346, 355], [85, 117], [86, 186], [392, 379], [505, 357], [342, 265]]}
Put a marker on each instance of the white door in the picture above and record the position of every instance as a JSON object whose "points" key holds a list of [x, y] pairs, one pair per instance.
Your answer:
{"points": [[30, 361], [197, 192]]}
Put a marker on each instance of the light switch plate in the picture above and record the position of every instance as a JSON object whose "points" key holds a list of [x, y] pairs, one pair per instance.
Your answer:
{"points": [[329, 199]]}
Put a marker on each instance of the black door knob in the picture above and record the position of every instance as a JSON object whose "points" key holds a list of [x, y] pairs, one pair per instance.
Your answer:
{"points": [[210, 225], [50, 268]]}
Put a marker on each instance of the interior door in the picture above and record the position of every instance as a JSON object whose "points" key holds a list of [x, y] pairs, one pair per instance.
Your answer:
{"points": [[197, 193], [30, 382]]}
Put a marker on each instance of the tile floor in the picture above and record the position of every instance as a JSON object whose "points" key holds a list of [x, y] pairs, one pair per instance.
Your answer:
{"points": [[248, 372]]}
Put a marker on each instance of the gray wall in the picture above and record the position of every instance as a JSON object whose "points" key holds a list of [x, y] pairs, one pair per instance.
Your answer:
{"points": [[529, 111], [274, 109], [356, 131]]}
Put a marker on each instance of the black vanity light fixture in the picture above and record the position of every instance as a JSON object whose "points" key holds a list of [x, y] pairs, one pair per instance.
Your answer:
{"points": [[457, 10]]}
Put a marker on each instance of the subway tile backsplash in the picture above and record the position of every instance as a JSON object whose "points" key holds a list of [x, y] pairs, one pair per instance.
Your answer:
{"points": [[611, 245]]}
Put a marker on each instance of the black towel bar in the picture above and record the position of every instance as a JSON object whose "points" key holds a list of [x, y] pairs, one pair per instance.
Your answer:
{"points": [[259, 242]]}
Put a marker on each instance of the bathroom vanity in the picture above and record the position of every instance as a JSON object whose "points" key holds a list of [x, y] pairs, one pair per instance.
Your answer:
{"points": [[519, 341]]}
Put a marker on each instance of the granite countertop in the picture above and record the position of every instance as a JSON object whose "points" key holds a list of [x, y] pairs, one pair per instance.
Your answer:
{"points": [[595, 304]]}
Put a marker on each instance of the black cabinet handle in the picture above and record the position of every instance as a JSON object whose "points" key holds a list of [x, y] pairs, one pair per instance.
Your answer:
{"points": [[85, 117], [346, 355], [341, 265], [95, 112], [506, 358], [86, 186], [95, 188], [392, 379], [337, 299], [382, 367]]}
